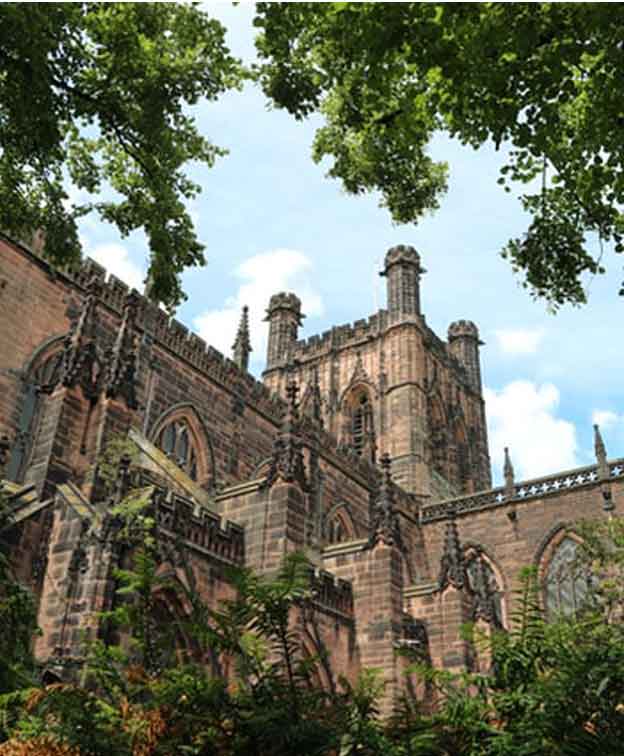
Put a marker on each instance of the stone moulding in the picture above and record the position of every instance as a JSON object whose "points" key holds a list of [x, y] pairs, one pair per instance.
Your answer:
{"points": [[420, 589], [345, 548], [536, 488]]}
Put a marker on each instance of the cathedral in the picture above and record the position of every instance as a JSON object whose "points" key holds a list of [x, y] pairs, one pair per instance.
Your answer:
{"points": [[364, 447]]}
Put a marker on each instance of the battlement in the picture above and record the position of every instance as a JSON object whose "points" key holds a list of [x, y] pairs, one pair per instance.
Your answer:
{"points": [[169, 333], [342, 335], [331, 593], [205, 531], [463, 329]]}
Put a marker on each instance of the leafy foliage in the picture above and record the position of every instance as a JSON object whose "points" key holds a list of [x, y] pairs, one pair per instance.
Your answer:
{"points": [[541, 78], [18, 616], [245, 685], [96, 96]]}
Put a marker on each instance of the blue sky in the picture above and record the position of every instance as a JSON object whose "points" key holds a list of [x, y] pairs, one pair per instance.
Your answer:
{"points": [[270, 220]]}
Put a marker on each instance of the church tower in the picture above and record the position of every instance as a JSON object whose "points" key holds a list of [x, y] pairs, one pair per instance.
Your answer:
{"points": [[389, 385]]}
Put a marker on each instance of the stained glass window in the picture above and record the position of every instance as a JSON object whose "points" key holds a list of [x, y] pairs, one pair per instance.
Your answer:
{"points": [[567, 582], [175, 440]]}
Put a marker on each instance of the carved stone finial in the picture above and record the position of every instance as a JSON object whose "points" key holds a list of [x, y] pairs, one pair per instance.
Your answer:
{"points": [[121, 377], [81, 363], [5, 445], [452, 564], [385, 520], [317, 405], [242, 345], [600, 452], [603, 470], [287, 459], [508, 473]]}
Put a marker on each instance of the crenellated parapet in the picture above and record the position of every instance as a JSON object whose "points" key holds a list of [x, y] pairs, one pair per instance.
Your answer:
{"points": [[331, 593], [169, 333], [342, 336], [199, 528]]}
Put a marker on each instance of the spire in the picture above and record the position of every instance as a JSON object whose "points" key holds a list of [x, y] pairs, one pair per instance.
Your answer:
{"points": [[81, 364], [121, 379], [385, 521], [287, 460], [508, 473], [600, 452], [242, 344], [452, 564], [603, 470]]}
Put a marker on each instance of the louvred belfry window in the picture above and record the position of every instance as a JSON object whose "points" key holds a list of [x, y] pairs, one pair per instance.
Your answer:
{"points": [[177, 443]]}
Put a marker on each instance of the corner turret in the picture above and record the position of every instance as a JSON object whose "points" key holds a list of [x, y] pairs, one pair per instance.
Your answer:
{"points": [[402, 269], [284, 316], [463, 344]]}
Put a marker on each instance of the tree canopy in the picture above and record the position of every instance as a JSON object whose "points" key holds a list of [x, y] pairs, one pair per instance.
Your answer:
{"points": [[542, 79], [93, 103], [94, 116]]}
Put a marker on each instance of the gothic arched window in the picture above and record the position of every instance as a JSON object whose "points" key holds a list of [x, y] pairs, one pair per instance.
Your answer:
{"points": [[485, 587], [567, 583], [361, 422], [336, 532], [339, 525], [176, 441], [39, 381]]}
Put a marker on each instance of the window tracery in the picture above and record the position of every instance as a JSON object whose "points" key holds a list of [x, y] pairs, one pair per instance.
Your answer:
{"points": [[177, 443], [336, 532], [361, 424], [338, 526], [39, 382], [485, 588], [567, 583]]}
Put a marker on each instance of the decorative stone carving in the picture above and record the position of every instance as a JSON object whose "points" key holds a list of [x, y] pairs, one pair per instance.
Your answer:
{"points": [[287, 459], [484, 593], [603, 470], [452, 564], [121, 377], [508, 474], [82, 364], [242, 345], [385, 520]]}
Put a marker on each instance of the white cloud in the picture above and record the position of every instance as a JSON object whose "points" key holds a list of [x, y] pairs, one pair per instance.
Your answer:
{"points": [[261, 276], [117, 261], [606, 419], [519, 340], [523, 416]]}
